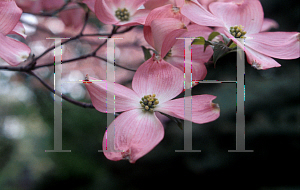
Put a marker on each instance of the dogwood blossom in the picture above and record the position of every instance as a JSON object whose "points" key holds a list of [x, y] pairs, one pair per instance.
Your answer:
{"points": [[12, 51], [137, 130], [242, 22], [121, 12]]}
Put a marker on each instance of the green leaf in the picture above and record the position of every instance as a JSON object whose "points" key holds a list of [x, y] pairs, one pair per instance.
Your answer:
{"points": [[207, 43], [213, 35], [199, 41], [232, 46], [220, 49], [225, 39], [147, 54]]}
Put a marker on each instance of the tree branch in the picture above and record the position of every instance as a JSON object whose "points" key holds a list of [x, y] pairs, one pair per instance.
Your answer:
{"points": [[81, 104]]}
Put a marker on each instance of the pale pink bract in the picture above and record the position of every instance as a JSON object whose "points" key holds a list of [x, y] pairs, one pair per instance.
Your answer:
{"points": [[259, 46], [136, 132], [106, 12], [12, 51]]}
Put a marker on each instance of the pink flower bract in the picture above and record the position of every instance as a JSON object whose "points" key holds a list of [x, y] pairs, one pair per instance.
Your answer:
{"points": [[259, 46], [135, 132], [12, 51], [121, 12]]}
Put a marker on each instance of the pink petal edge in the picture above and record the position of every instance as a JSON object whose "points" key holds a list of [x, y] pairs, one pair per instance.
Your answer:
{"points": [[158, 77], [133, 134], [203, 110], [125, 98]]}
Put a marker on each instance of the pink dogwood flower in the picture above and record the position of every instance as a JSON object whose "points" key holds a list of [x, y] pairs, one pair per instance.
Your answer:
{"points": [[12, 51], [242, 22], [186, 11], [137, 130], [199, 57], [121, 12], [163, 39]]}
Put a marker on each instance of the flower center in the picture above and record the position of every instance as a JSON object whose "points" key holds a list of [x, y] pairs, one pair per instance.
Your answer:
{"points": [[237, 31], [175, 9], [149, 102], [122, 14]]}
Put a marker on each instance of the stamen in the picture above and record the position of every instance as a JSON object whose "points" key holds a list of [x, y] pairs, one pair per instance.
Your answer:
{"points": [[237, 31], [122, 14], [149, 102]]}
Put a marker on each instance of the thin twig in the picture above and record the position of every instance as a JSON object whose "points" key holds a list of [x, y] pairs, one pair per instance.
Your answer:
{"points": [[32, 64], [81, 104]]}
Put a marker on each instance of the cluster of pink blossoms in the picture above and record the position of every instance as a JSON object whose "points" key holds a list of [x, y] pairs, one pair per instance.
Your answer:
{"points": [[159, 79], [138, 130]]}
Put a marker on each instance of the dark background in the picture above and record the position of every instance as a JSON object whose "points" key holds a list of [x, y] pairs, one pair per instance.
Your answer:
{"points": [[272, 131]]}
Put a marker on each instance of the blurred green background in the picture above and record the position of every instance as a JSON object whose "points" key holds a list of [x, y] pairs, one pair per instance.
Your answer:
{"points": [[272, 131]]}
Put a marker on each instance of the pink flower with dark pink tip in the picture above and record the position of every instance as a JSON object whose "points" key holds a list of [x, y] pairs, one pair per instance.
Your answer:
{"points": [[12, 51], [163, 39], [199, 57], [121, 12], [186, 11], [242, 22], [137, 130]]}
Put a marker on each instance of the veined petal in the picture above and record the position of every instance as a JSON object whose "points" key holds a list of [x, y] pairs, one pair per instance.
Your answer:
{"points": [[260, 61], [178, 3], [198, 14], [12, 51], [148, 35], [158, 77], [198, 54], [254, 58], [125, 98], [268, 24], [105, 13], [134, 4], [166, 11], [282, 45], [152, 4], [164, 31], [10, 14], [133, 134], [203, 110], [248, 13], [170, 40], [199, 70], [19, 30]]}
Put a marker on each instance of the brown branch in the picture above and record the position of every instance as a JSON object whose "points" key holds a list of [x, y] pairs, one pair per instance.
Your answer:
{"points": [[32, 64], [81, 104]]}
